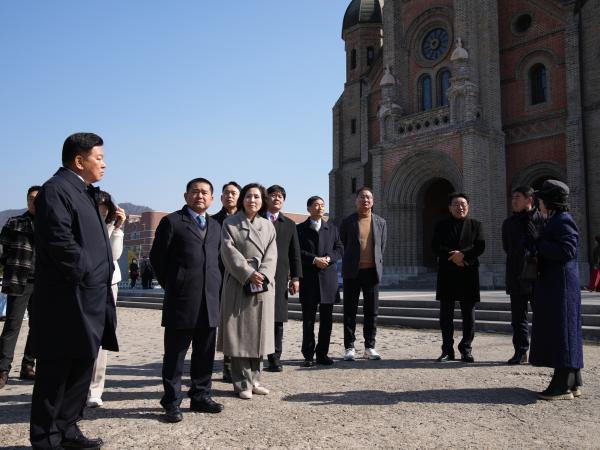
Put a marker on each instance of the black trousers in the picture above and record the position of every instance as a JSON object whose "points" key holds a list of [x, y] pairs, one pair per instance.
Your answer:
{"points": [[367, 281], [447, 325], [59, 396], [519, 322], [309, 316], [278, 342], [177, 342], [15, 311]]}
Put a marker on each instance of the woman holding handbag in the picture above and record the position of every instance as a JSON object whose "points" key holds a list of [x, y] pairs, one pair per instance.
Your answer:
{"points": [[249, 254]]}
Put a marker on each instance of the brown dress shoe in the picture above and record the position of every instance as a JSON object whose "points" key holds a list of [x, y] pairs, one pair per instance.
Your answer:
{"points": [[3, 378], [27, 373]]}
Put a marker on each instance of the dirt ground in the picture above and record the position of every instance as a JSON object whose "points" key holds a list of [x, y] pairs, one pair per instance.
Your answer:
{"points": [[406, 400]]}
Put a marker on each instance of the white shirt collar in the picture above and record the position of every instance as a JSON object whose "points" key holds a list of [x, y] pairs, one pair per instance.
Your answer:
{"points": [[76, 174], [194, 214], [270, 215]]}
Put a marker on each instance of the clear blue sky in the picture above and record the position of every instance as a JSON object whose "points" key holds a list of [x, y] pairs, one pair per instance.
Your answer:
{"points": [[238, 89]]}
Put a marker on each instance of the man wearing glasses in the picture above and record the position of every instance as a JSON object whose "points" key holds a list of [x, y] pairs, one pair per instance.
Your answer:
{"points": [[458, 242]]}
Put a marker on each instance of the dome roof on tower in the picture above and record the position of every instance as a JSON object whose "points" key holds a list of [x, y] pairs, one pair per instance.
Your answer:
{"points": [[362, 11]]}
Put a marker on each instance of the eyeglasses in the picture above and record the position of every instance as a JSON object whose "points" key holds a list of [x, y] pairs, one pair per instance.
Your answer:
{"points": [[460, 205]]}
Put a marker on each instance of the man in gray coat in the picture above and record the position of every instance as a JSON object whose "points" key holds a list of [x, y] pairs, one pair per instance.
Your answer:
{"points": [[364, 236]]}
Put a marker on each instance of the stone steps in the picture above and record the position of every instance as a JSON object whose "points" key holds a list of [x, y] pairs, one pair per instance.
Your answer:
{"points": [[492, 315]]}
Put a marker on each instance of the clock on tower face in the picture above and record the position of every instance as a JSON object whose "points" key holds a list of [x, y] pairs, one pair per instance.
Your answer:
{"points": [[435, 44]]}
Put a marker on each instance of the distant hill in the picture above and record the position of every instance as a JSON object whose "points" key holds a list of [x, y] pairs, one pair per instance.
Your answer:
{"points": [[129, 208], [8, 213]]}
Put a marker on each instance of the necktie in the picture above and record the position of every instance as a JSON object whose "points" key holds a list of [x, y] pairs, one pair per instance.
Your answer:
{"points": [[201, 222], [273, 218]]}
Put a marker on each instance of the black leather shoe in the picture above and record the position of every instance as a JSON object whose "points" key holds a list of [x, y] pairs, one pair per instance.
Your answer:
{"points": [[467, 357], [446, 356], [308, 363], [274, 366], [518, 358], [80, 441], [27, 373], [173, 415], [324, 360], [553, 393], [207, 405]]}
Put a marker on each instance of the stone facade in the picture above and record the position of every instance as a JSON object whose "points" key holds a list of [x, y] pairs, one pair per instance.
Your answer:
{"points": [[479, 96]]}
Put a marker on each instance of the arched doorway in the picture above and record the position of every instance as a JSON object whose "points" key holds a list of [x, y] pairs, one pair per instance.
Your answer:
{"points": [[435, 207]]}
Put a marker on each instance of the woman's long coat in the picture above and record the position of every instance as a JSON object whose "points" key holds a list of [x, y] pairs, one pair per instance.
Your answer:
{"points": [[456, 283], [556, 339], [247, 321]]}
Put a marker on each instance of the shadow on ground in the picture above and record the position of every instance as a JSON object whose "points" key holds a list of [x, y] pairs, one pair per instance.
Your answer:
{"points": [[493, 396]]}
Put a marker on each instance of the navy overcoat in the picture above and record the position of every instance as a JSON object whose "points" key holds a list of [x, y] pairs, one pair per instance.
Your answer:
{"points": [[556, 326], [74, 308]]}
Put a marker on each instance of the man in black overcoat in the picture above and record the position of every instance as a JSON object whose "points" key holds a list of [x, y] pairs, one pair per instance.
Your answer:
{"points": [[185, 256], [458, 242], [74, 312], [514, 242], [229, 197], [364, 235], [320, 249], [289, 267]]}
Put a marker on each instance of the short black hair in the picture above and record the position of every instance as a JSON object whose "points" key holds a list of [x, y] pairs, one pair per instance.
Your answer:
{"points": [[313, 199], [198, 180], [33, 189], [364, 188], [276, 188], [526, 191], [231, 183], [79, 144], [263, 196], [105, 199], [454, 195]]}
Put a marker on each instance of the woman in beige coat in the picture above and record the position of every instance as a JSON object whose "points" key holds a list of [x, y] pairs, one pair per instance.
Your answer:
{"points": [[249, 254]]}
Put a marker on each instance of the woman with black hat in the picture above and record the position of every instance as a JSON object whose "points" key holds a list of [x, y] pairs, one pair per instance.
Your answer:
{"points": [[556, 339]]}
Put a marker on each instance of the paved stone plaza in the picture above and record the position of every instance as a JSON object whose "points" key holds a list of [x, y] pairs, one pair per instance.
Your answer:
{"points": [[405, 400]]}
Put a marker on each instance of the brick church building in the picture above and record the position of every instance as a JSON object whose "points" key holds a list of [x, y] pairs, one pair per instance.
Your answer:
{"points": [[478, 96]]}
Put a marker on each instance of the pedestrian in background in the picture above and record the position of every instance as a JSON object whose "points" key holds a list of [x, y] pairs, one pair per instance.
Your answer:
{"points": [[595, 272], [134, 272]]}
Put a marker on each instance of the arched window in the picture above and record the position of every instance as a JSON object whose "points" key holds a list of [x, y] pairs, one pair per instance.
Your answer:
{"points": [[425, 92], [443, 85], [538, 83], [353, 59], [370, 55]]}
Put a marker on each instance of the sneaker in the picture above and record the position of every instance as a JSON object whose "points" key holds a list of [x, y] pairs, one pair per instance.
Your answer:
{"points": [[371, 353], [260, 390], [350, 354], [245, 395], [94, 402]]}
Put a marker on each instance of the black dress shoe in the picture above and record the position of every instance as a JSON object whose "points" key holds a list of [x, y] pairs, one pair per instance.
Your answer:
{"points": [[518, 358], [324, 360], [446, 356], [80, 441], [274, 366], [27, 373], [308, 363], [554, 393], [173, 415], [467, 357], [207, 405]]}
